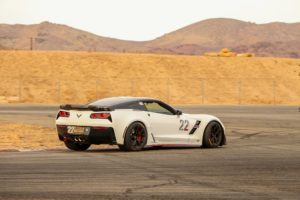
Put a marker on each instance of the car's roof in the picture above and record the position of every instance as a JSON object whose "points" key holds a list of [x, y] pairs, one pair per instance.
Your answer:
{"points": [[115, 101]]}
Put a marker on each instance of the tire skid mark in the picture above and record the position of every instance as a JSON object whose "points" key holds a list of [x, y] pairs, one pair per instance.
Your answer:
{"points": [[174, 179], [170, 182], [250, 135]]}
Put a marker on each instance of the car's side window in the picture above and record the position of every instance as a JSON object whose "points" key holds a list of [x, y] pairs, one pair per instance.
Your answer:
{"points": [[137, 106], [133, 105], [157, 108]]}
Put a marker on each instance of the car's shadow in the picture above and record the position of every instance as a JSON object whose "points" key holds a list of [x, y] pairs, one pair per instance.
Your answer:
{"points": [[148, 149]]}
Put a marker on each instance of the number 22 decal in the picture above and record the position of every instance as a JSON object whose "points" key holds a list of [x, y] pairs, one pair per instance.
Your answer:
{"points": [[184, 124]]}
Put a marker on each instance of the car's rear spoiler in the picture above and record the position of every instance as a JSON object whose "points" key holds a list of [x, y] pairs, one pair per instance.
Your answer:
{"points": [[84, 107]]}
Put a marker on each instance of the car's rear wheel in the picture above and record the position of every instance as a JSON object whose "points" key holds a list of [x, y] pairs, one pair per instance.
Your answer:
{"points": [[121, 147], [135, 137], [213, 135], [76, 146]]}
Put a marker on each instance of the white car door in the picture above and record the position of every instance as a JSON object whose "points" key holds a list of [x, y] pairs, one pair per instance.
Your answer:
{"points": [[167, 127]]}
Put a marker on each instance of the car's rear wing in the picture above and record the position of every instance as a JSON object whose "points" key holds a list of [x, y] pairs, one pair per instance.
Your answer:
{"points": [[84, 107]]}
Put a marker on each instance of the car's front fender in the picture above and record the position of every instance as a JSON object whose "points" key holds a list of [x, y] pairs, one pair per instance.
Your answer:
{"points": [[205, 120]]}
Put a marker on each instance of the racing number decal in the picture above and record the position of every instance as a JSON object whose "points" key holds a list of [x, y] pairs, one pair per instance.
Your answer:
{"points": [[71, 129], [184, 125], [181, 124]]}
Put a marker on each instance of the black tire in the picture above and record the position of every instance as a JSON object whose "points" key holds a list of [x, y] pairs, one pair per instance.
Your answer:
{"points": [[136, 137], [213, 135], [76, 146], [121, 147]]}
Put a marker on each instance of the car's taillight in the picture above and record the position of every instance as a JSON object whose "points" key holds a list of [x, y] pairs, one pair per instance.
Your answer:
{"points": [[63, 114], [100, 116]]}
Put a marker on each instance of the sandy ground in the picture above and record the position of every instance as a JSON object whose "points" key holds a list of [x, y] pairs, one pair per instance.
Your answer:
{"points": [[80, 77], [23, 136]]}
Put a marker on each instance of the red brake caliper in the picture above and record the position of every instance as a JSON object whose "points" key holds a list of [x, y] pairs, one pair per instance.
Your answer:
{"points": [[139, 136]]}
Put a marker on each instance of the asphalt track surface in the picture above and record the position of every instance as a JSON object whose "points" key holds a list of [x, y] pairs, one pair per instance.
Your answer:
{"points": [[261, 161]]}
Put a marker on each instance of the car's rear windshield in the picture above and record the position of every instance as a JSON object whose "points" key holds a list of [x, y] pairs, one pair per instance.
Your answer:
{"points": [[110, 102]]}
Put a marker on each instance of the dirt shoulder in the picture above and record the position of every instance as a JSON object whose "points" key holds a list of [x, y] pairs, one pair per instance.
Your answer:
{"points": [[23, 136]]}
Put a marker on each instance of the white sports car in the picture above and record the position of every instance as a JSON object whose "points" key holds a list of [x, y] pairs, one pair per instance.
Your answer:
{"points": [[134, 123]]}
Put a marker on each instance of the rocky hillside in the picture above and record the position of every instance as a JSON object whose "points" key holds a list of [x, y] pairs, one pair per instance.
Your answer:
{"points": [[273, 39]]}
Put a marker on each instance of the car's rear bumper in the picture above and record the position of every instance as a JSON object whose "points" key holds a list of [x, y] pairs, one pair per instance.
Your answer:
{"points": [[96, 135]]}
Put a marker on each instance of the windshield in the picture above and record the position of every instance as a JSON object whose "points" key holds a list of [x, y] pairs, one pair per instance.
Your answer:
{"points": [[109, 102]]}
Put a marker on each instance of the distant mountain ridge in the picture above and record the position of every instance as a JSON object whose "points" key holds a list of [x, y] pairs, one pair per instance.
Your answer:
{"points": [[272, 39]]}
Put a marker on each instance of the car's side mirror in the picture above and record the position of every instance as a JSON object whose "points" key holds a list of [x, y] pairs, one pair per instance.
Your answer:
{"points": [[178, 112]]}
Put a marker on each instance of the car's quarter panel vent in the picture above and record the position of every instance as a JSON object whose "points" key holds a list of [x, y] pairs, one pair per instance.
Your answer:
{"points": [[196, 126]]}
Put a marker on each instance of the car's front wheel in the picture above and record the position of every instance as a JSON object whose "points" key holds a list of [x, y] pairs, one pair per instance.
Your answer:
{"points": [[135, 137], [213, 135], [76, 146]]}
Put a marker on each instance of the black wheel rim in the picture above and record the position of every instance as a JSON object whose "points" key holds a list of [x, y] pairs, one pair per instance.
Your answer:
{"points": [[137, 135], [215, 134]]}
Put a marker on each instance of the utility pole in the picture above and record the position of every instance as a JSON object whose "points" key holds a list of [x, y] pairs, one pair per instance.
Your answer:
{"points": [[274, 92], [240, 91], [31, 43]]}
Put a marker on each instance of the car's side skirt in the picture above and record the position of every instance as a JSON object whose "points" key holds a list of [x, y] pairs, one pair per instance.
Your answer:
{"points": [[173, 145]]}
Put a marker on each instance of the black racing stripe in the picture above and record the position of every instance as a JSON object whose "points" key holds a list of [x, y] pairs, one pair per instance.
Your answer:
{"points": [[196, 126]]}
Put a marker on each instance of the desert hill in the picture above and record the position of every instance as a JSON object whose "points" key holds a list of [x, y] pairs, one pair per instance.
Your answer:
{"points": [[80, 77], [273, 39], [3, 47], [50, 36]]}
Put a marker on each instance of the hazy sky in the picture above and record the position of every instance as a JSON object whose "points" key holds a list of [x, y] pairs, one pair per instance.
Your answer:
{"points": [[143, 19]]}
